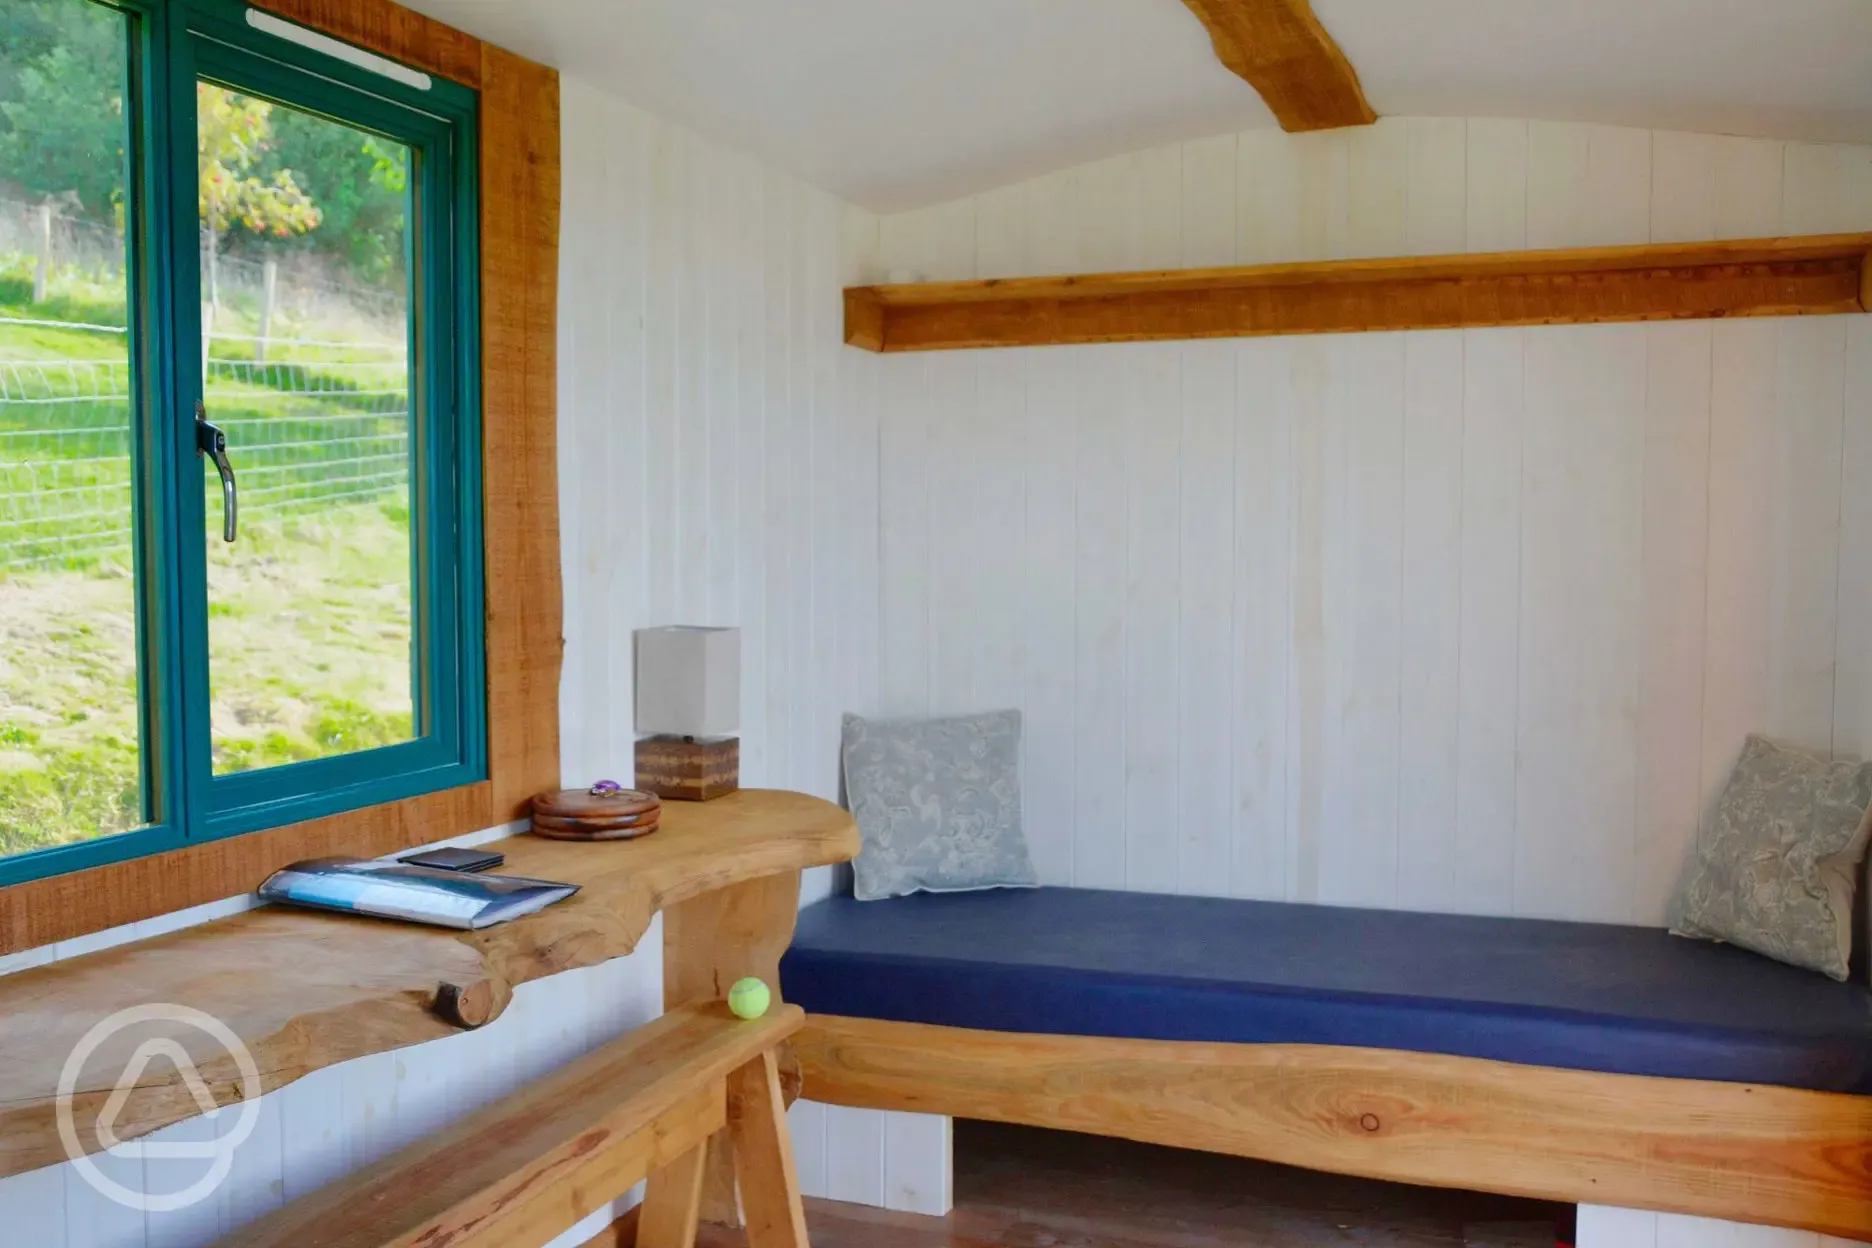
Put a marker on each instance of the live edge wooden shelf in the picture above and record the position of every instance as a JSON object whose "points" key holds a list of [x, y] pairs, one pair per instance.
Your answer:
{"points": [[304, 990], [1812, 275]]}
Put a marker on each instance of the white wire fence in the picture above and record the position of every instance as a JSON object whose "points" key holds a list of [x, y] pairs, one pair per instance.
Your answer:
{"points": [[308, 289], [315, 405], [320, 425]]}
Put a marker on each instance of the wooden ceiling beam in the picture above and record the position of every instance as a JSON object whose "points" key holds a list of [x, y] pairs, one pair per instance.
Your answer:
{"points": [[1654, 282], [1284, 52]]}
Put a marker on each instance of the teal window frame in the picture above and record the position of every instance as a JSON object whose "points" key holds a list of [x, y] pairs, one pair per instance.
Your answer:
{"points": [[172, 44]]}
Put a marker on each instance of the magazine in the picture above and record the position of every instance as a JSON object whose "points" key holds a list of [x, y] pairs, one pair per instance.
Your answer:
{"points": [[395, 890]]}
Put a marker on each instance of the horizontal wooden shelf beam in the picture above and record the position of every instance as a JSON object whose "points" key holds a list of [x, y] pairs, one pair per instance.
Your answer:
{"points": [[303, 990], [1812, 275]]}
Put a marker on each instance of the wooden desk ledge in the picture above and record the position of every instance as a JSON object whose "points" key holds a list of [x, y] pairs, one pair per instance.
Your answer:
{"points": [[529, 1167], [304, 990]]}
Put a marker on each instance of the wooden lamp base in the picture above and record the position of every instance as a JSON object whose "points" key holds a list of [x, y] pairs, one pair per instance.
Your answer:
{"points": [[689, 769]]}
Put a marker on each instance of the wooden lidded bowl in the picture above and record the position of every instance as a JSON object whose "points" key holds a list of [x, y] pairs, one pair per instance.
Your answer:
{"points": [[607, 811]]}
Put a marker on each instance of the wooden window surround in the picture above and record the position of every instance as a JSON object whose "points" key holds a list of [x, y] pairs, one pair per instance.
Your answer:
{"points": [[519, 119]]}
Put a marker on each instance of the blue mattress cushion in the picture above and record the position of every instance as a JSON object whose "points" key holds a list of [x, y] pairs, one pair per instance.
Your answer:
{"points": [[1584, 996]]}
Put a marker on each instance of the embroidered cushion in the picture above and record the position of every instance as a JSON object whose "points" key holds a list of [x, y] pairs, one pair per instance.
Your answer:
{"points": [[1776, 868], [938, 804]]}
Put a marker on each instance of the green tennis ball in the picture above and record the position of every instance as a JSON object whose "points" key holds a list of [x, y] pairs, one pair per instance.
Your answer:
{"points": [[749, 998]]}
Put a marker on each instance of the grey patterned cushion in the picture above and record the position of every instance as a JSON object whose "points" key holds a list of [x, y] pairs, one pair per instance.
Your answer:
{"points": [[938, 804], [1776, 868]]}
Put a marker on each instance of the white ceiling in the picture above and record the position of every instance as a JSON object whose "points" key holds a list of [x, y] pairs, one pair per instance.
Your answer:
{"points": [[1784, 69], [896, 103]]}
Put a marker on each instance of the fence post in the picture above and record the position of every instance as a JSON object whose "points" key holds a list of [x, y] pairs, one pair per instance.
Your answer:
{"points": [[269, 289], [211, 265], [42, 275]]}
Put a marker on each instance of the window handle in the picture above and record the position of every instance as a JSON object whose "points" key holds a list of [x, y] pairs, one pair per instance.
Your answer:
{"points": [[210, 441]]}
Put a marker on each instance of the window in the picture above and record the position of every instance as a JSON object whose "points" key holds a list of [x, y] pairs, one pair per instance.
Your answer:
{"points": [[240, 550]]}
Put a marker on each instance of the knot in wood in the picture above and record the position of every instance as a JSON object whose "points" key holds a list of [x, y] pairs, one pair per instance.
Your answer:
{"points": [[1369, 1121]]}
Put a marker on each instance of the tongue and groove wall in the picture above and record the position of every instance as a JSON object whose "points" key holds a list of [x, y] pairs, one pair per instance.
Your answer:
{"points": [[1458, 620]]}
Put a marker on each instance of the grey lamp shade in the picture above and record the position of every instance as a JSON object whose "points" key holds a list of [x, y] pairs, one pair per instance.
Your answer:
{"points": [[688, 681]]}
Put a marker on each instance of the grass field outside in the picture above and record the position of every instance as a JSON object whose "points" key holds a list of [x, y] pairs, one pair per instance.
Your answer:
{"points": [[309, 611]]}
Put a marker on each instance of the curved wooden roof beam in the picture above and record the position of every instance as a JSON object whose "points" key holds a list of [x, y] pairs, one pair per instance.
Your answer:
{"points": [[1284, 52]]}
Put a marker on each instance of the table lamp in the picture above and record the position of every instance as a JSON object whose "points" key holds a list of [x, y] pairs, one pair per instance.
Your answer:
{"points": [[688, 711]]}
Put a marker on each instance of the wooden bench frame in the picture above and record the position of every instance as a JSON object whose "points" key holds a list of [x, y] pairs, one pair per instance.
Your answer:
{"points": [[1739, 1152], [535, 1163]]}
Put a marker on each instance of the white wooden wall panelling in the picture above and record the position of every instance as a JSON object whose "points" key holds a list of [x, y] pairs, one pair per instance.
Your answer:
{"points": [[1489, 640], [1827, 187], [1430, 618], [1154, 585], [1312, 731], [903, 541], [955, 441], [693, 229], [1263, 600], [1674, 581], [779, 447], [1210, 233], [1852, 708], [1389, 572], [751, 477], [1048, 594], [1102, 481], [1358, 838], [1600, 1227], [1436, 172], [1495, 174], [1198, 676], [1581, 511], [992, 466], [1809, 417]]}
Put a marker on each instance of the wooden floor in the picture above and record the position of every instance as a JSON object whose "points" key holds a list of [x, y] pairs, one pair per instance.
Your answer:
{"points": [[1021, 1188]]}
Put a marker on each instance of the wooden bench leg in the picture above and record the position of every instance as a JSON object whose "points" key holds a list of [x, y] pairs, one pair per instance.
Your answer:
{"points": [[673, 1203], [709, 942], [721, 1204], [770, 1196]]}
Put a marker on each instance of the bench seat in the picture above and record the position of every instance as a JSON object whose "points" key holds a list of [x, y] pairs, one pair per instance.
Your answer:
{"points": [[523, 1169], [1078, 962]]}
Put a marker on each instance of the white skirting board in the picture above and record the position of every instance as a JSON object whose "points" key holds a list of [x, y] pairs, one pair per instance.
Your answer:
{"points": [[1600, 1227], [874, 1157]]}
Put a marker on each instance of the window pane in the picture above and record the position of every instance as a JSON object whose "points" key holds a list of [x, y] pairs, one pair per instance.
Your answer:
{"points": [[70, 726], [305, 318]]}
